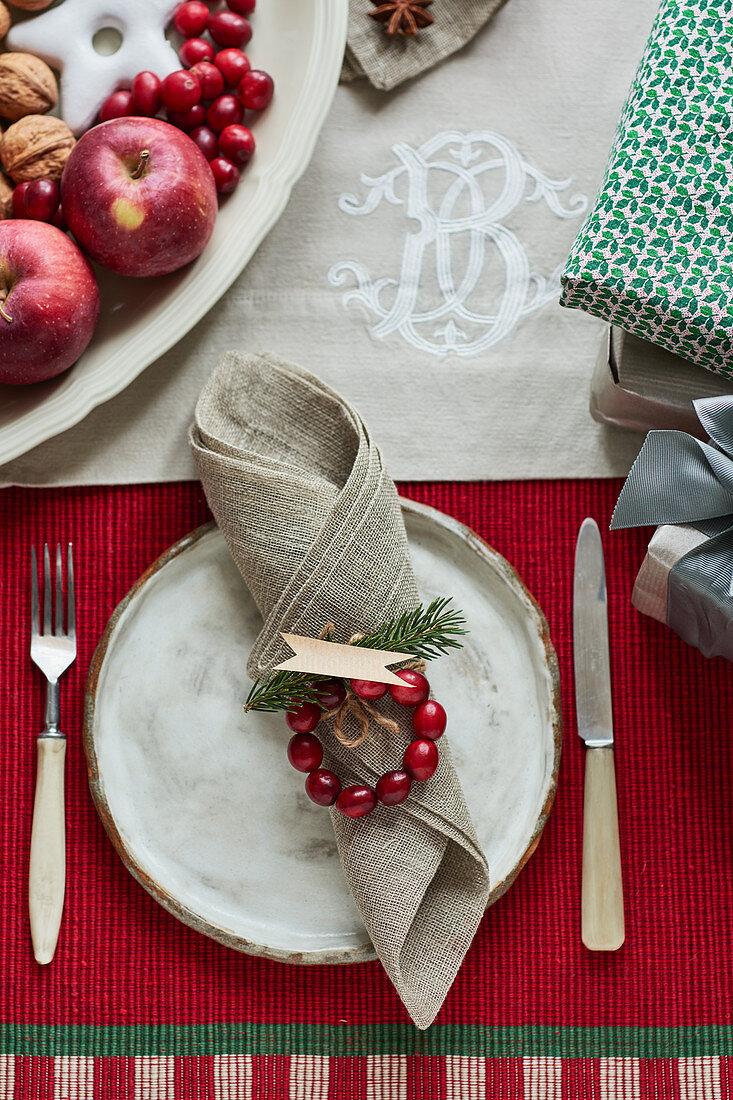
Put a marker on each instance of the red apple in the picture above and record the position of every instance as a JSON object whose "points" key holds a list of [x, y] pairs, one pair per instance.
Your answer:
{"points": [[49, 302], [139, 196]]}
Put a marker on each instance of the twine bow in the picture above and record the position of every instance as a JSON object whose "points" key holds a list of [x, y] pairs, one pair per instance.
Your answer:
{"points": [[357, 708]]}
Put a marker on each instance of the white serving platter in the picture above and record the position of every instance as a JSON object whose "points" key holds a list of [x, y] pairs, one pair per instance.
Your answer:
{"points": [[301, 43], [199, 799]]}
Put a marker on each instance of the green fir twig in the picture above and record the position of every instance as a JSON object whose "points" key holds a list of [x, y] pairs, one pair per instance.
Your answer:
{"points": [[283, 691], [426, 632]]}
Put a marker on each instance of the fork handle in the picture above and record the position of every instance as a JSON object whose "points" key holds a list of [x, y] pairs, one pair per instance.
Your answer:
{"points": [[47, 874]]}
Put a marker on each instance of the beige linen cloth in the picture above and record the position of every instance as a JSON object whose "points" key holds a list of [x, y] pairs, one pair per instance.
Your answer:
{"points": [[388, 60], [549, 77], [313, 522]]}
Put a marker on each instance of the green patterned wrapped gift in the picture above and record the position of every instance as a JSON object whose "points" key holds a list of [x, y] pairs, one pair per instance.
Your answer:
{"points": [[655, 256]]}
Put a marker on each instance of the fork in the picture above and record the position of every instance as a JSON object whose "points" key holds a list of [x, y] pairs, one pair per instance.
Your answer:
{"points": [[53, 652]]}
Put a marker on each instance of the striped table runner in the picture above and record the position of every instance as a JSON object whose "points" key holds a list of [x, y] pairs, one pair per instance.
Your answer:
{"points": [[374, 1077]]}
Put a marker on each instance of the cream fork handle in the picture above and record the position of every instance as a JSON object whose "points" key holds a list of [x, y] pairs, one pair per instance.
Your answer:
{"points": [[47, 873], [602, 891]]}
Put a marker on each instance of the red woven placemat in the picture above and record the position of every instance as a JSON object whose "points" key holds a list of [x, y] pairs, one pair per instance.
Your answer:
{"points": [[137, 1005]]}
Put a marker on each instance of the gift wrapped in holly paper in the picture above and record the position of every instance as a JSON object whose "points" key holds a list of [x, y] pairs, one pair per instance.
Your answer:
{"points": [[685, 484], [654, 255], [313, 523]]}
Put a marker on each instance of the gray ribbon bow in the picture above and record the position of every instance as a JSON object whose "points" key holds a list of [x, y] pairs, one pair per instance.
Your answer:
{"points": [[679, 479]]}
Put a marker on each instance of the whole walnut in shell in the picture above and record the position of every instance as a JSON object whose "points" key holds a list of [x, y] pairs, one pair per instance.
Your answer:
{"points": [[27, 86], [36, 147], [5, 19]]}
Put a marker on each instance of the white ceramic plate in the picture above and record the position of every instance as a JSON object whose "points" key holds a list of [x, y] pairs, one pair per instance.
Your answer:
{"points": [[198, 798], [301, 42]]}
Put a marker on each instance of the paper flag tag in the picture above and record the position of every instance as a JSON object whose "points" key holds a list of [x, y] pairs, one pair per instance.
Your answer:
{"points": [[344, 661]]}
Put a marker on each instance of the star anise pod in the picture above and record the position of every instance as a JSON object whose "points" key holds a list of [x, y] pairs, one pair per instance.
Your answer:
{"points": [[404, 17]]}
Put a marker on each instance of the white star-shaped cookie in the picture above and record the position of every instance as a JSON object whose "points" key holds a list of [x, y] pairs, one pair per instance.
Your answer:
{"points": [[63, 36]]}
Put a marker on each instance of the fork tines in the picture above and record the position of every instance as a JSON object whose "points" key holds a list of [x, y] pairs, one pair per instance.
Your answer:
{"points": [[48, 616]]}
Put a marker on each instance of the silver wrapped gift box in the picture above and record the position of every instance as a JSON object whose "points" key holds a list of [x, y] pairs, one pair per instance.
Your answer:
{"points": [[640, 386], [685, 484]]}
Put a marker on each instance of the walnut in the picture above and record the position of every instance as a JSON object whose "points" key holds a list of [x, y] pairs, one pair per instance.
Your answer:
{"points": [[36, 147], [5, 20], [6, 198], [27, 86]]}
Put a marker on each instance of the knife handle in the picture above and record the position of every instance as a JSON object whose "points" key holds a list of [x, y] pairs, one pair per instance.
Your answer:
{"points": [[47, 872], [602, 894]]}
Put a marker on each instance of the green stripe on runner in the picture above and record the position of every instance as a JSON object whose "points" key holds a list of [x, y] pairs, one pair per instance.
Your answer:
{"points": [[364, 1039]]}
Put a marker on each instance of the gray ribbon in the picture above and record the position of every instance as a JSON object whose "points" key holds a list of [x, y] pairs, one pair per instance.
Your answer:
{"points": [[679, 479]]}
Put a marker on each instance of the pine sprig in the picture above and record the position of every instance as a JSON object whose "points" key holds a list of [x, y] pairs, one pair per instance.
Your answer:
{"points": [[426, 632], [282, 691]]}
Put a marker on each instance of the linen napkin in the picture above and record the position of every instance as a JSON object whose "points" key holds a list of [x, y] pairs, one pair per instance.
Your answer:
{"points": [[313, 522], [388, 60]]}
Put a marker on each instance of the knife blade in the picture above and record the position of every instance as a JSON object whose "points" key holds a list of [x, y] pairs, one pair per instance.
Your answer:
{"points": [[602, 904]]}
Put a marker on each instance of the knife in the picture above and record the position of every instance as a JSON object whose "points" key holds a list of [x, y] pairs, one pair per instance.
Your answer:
{"points": [[602, 889]]}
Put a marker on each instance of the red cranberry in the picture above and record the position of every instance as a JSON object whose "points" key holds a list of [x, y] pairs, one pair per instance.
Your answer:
{"points": [[255, 90], [195, 50], [323, 787], [356, 801], [393, 788], [187, 120], [229, 29], [41, 200], [180, 90], [429, 720], [241, 7], [226, 178], [145, 90], [206, 141], [304, 718], [211, 80], [224, 111], [330, 693], [368, 689], [191, 18], [19, 199], [232, 64], [415, 691], [305, 752], [421, 759], [238, 144], [117, 105]]}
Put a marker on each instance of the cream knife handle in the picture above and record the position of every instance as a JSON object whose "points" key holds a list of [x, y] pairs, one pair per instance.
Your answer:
{"points": [[47, 874], [603, 894]]}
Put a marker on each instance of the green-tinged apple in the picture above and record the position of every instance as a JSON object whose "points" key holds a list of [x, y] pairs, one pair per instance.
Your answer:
{"points": [[49, 302], [139, 196]]}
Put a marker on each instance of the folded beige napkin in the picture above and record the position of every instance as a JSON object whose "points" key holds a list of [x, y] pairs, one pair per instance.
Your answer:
{"points": [[313, 522], [386, 60]]}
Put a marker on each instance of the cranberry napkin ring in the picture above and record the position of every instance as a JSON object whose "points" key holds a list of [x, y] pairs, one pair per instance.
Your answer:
{"points": [[328, 680]]}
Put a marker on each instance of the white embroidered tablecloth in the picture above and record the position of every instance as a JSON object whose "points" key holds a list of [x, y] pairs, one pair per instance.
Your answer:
{"points": [[416, 268]]}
